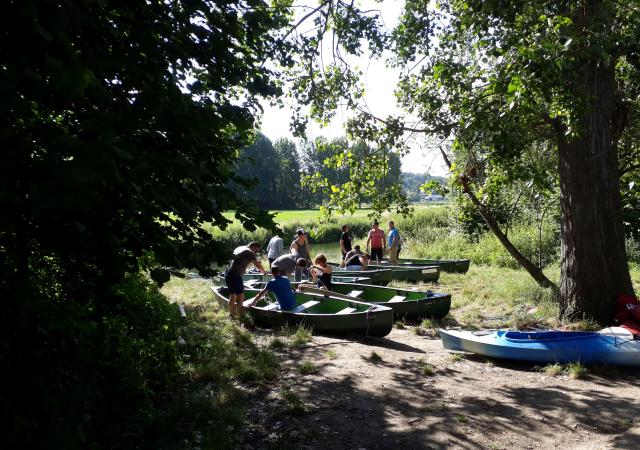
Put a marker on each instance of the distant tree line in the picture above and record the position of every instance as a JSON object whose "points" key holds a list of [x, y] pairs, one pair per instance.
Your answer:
{"points": [[413, 184], [285, 175]]}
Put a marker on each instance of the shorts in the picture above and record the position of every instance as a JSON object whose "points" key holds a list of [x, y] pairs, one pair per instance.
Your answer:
{"points": [[271, 260], [376, 253], [234, 283]]}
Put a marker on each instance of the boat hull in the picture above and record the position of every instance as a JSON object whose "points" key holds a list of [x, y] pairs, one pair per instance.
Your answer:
{"points": [[368, 320], [416, 305], [561, 347], [411, 274], [414, 274], [380, 277], [446, 265]]}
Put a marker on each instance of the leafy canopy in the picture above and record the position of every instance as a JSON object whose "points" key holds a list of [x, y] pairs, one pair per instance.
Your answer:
{"points": [[122, 122]]}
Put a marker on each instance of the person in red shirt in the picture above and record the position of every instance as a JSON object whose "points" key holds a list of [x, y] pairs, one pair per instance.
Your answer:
{"points": [[376, 242]]}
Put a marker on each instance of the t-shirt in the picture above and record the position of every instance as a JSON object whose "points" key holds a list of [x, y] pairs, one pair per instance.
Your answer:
{"points": [[241, 261], [347, 241], [391, 237], [377, 238], [281, 287], [240, 249], [274, 248], [286, 263]]}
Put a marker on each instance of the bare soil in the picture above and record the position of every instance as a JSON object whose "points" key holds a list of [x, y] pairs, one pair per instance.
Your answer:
{"points": [[356, 401]]}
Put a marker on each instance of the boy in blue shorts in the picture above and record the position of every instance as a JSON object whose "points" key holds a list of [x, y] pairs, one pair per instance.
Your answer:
{"points": [[281, 287]]}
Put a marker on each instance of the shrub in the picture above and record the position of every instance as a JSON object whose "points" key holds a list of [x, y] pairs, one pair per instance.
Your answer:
{"points": [[307, 368], [99, 363], [301, 336]]}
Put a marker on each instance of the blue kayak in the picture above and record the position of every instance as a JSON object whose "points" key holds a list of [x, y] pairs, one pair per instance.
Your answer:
{"points": [[614, 346]]}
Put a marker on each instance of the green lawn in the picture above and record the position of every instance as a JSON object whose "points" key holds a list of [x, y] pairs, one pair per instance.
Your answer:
{"points": [[307, 215]]}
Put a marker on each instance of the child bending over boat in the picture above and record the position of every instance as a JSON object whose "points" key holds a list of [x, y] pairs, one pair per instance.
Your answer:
{"points": [[321, 272], [356, 260], [281, 287], [290, 264]]}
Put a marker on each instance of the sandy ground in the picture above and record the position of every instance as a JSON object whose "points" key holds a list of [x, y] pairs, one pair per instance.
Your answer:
{"points": [[354, 401]]}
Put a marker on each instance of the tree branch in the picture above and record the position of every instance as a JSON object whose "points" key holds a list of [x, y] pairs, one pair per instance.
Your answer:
{"points": [[534, 271]]}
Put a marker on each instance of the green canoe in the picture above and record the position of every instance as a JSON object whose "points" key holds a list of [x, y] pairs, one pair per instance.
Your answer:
{"points": [[323, 314], [378, 276], [411, 274], [446, 265], [405, 303], [256, 276]]}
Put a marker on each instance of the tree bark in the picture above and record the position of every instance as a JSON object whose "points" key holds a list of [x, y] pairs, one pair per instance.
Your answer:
{"points": [[593, 256]]}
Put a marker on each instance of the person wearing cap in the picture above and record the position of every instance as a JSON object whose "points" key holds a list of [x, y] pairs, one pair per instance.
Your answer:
{"points": [[301, 246], [243, 256], [376, 242]]}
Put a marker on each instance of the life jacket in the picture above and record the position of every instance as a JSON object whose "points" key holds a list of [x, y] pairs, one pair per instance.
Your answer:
{"points": [[628, 313], [627, 308]]}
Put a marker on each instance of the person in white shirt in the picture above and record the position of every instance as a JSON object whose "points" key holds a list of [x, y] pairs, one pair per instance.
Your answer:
{"points": [[274, 249]]}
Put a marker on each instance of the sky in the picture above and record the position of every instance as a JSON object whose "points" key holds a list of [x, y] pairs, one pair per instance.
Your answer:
{"points": [[380, 82]]}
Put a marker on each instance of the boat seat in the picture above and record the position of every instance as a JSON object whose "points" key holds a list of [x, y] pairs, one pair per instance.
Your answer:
{"points": [[271, 306], [355, 293], [397, 299], [246, 303], [305, 306], [346, 311]]}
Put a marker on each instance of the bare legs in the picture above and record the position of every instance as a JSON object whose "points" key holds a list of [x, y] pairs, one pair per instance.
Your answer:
{"points": [[236, 307]]}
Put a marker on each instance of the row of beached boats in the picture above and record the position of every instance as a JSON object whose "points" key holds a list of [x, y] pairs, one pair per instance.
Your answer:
{"points": [[408, 270], [348, 308], [360, 303]]}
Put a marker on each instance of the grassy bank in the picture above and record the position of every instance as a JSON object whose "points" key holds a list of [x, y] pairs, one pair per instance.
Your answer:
{"points": [[431, 231], [222, 363]]}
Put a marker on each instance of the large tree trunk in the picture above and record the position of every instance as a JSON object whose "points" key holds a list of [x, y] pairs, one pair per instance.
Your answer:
{"points": [[593, 257]]}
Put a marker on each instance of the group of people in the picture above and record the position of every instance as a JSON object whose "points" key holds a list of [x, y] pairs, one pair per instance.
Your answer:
{"points": [[378, 243], [297, 263]]}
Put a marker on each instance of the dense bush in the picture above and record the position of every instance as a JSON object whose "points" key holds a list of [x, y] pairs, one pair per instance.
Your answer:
{"points": [[91, 370]]}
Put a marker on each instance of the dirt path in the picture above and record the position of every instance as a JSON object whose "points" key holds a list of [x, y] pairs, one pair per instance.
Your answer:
{"points": [[354, 401]]}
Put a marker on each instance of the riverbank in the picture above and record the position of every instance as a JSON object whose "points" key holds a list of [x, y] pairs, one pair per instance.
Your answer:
{"points": [[251, 388]]}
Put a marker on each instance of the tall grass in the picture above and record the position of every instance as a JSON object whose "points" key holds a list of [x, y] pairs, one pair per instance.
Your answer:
{"points": [[431, 231], [216, 357], [447, 243]]}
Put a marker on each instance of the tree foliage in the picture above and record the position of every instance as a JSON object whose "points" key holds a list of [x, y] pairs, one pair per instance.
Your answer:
{"points": [[525, 97], [121, 125]]}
